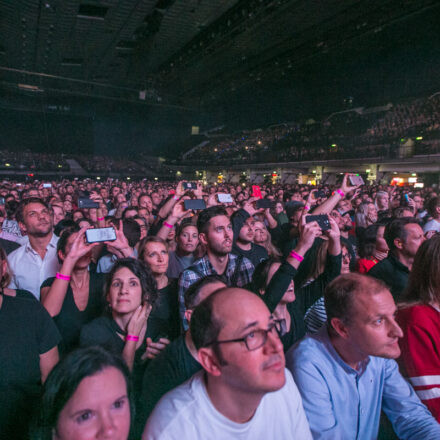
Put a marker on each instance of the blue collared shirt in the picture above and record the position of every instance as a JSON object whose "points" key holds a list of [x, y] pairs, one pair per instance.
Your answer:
{"points": [[345, 404]]}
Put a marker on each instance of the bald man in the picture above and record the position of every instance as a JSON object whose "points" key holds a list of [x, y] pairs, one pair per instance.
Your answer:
{"points": [[244, 390]]}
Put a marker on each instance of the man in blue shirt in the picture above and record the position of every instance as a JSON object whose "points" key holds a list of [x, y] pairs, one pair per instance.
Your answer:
{"points": [[346, 373]]}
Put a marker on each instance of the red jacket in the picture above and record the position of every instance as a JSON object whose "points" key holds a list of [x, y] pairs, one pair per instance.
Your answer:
{"points": [[420, 358]]}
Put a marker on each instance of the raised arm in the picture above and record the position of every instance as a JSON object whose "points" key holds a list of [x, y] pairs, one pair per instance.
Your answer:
{"points": [[338, 195], [177, 214], [53, 297]]}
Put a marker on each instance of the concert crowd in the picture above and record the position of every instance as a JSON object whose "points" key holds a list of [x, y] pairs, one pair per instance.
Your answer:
{"points": [[161, 310]]}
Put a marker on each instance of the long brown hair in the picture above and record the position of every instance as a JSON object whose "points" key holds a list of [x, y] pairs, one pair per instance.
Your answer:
{"points": [[424, 280], [5, 277]]}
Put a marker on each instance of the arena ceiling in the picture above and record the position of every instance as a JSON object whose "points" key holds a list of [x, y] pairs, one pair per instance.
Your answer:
{"points": [[178, 52]]}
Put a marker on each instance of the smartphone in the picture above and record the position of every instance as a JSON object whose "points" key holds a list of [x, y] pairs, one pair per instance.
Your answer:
{"points": [[322, 220], [256, 191], [100, 234], [47, 185], [195, 204], [84, 203], [318, 194], [356, 180], [265, 203], [224, 198], [189, 185], [2, 200], [406, 197]]}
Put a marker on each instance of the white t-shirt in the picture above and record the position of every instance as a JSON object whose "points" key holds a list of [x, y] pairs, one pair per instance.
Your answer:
{"points": [[186, 413]]}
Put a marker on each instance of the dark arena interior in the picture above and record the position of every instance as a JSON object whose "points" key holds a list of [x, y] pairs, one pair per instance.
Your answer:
{"points": [[219, 219]]}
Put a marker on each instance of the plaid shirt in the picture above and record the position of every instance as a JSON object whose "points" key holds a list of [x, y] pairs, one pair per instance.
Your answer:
{"points": [[205, 268]]}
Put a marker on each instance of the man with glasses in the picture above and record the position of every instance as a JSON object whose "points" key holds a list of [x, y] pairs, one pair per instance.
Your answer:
{"points": [[243, 390]]}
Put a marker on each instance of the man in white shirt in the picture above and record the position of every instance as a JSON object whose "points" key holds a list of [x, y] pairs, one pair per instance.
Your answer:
{"points": [[37, 259], [243, 390]]}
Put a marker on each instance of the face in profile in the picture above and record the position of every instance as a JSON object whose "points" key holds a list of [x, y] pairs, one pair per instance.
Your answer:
{"points": [[372, 329], [98, 409]]}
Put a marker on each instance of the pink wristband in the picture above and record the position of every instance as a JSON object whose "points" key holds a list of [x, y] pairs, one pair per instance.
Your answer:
{"points": [[306, 208], [132, 338], [340, 192], [297, 257], [60, 276], [100, 219], [168, 225]]}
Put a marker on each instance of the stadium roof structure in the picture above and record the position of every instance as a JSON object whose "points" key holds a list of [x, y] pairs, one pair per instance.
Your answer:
{"points": [[179, 52]]}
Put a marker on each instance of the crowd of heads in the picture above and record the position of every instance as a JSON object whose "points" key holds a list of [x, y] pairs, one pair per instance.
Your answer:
{"points": [[233, 282]]}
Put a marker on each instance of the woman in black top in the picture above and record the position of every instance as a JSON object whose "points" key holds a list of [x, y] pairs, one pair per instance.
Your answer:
{"points": [[28, 351], [130, 291], [74, 297], [154, 252], [274, 281]]}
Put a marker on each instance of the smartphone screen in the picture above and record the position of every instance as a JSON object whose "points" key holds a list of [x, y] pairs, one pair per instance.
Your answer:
{"points": [[85, 203], [256, 191], [356, 180], [264, 203], [224, 198], [100, 234], [321, 219], [189, 185], [196, 204]]}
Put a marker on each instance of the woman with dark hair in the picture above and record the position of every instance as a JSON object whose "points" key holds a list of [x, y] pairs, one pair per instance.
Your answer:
{"points": [[74, 296], [419, 318], [87, 395], [367, 249], [274, 282], [130, 291], [153, 251]]}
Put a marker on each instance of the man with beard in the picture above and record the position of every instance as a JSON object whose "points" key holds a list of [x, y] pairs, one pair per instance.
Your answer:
{"points": [[216, 234], [243, 390], [37, 259]]}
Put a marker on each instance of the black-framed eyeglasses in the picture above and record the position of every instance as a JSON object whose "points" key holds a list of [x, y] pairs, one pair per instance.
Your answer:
{"points": [[253, 340]]}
